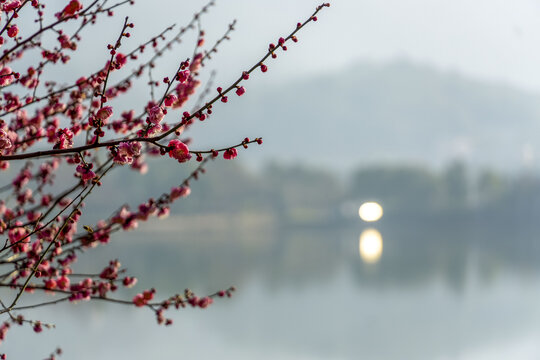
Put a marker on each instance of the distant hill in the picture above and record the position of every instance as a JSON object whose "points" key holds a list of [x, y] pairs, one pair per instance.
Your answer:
{"points": [[391, 113]]}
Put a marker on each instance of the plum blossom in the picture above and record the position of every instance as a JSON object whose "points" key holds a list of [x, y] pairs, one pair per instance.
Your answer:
{"points": [[66, 43], [64, 139], [155, 114], [63, 283], [185, 90], [205, 302], [71, 9], [163, 213], [121, 60], [153, 130], [12, 6], [6, 76], [18, 236], [129, 281], [197, 63], [142, 299], [5, 142], [13, 31], [179, 151], [86, 172], [230, 154], [183, 76], [179, 192], [104, 113], [126, 218], [127, 152], [170, 100]]}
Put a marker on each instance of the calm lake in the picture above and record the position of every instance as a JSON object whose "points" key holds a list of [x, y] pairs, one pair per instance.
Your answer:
{"points": [[437, 288]]}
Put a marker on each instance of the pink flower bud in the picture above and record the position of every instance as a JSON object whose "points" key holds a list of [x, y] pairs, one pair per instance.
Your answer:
{"points": [[13, 31], [230, 154], [240, 91]]}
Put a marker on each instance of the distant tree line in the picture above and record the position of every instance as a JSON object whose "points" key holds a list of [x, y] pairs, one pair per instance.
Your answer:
{"points": [[318, 195]]}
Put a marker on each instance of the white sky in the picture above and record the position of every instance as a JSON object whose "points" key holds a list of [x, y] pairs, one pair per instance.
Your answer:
{"points": [[494, 40], [497, 40]]}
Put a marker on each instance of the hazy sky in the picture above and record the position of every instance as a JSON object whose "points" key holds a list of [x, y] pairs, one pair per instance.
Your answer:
{"points": [[491, 40], [488, 39]]}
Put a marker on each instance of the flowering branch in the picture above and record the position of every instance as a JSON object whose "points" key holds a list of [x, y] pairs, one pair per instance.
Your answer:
{"points": [[221, 96], [40, 225]]}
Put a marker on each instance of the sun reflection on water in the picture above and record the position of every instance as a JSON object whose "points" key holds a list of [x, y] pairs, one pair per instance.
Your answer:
{"points": [[370, 245]]}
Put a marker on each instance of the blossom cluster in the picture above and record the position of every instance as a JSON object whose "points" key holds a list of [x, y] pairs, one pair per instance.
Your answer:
{"points": [[48, 129]]}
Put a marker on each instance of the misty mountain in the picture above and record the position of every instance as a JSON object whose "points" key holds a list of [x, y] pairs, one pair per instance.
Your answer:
{"points": [[390, 113]]}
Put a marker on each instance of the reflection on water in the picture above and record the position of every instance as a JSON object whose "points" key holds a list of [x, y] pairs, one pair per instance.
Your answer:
{"points": [[370, 245], [370, 211], [446, 288]]}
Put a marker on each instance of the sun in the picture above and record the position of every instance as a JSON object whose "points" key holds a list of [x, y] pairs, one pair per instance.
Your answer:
{"points": [[370, 211]]}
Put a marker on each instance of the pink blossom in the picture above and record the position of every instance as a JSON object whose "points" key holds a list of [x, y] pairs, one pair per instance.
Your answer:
{"points": [[129, 281], [170, 100], [63, 282], [152, 130], [82, 82], [138, 300], [193, 301], [71, 8], [103, 288], [143, 299], [37, 327], [205, 302], [179, 151], [16, 236], [156, 114], [127, 151], [183, 76], [50, 284], [33, 216], [178, 192], [13, 31], [230, 154], [3, 330], [146, 210], [25, 196], [111, 271], [184, 91], [11, 6], [121, 60], [65, 43], [85, 172], [104, 113], [5, 142], [126, 218], [102, 234], [6, 76], [197, 62], [163, 212], [64, 139]]}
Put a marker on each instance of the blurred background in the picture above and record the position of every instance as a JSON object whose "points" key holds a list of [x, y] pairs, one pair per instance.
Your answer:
{"points": [[428, 111]]}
